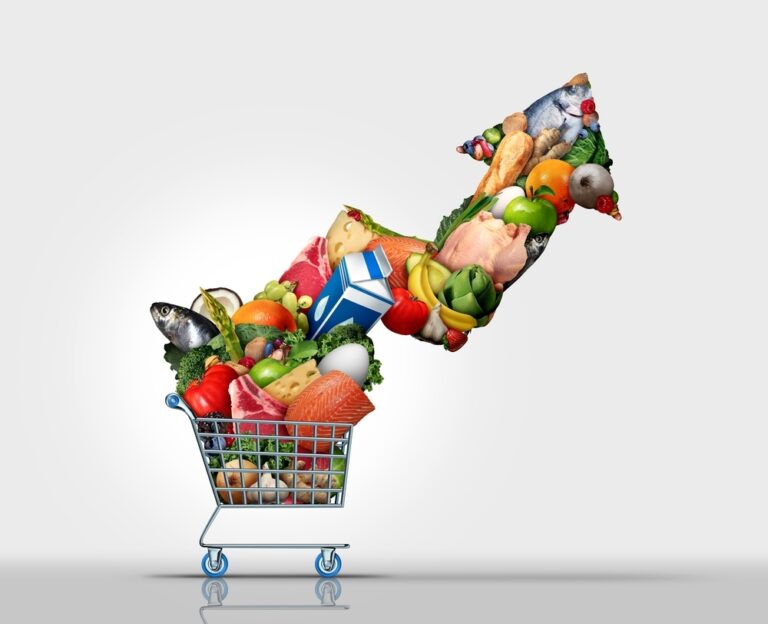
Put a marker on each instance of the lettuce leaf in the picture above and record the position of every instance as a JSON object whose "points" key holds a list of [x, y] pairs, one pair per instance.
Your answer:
{"points": [[582, 151]]}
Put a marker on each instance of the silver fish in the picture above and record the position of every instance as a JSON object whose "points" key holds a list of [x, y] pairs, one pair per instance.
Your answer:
{"points": [[559, 109], [184, 328]]}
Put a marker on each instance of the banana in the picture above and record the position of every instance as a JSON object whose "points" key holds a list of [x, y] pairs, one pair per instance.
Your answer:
{"points": [[415, 284], [452, 318]]}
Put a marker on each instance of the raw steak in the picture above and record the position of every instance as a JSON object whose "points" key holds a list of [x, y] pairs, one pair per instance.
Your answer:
{"points": [[249, 402], [310, 269]]}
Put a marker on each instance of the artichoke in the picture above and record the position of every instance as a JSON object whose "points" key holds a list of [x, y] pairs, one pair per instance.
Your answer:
{"points": [[470, 290]]}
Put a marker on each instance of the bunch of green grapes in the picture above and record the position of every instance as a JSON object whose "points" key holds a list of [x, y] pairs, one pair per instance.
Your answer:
{"points": [[282, 292]]}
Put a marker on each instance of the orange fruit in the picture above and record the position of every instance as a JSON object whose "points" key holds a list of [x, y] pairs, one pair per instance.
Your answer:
{"points": [[265, 312], [554, 174]]}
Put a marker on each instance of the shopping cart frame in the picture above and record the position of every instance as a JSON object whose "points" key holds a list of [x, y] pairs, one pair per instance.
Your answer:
{"points": [[214, 563]]}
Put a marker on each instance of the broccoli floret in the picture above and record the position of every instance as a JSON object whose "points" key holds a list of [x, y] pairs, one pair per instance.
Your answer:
{"points": [[192, 365]]}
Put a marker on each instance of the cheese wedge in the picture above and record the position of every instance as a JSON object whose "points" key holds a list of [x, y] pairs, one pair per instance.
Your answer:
{"points": [[346, 236], [288, 387]]}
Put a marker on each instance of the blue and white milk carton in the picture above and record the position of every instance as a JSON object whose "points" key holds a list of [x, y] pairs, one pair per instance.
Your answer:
{"points": [[357, 292]]}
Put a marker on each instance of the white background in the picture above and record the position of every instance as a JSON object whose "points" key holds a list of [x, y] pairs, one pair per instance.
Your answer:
{"points": [[613, 410]]}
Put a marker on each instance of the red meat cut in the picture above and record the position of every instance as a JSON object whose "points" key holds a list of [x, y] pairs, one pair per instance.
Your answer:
{"points": [[249, 402], [310, 269]]}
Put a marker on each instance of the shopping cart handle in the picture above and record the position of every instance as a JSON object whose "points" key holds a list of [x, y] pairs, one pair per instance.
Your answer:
{"points": [[174, 401]]}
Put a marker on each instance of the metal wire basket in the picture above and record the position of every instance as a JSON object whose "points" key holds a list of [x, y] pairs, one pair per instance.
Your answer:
{"points": [[271, 464]]}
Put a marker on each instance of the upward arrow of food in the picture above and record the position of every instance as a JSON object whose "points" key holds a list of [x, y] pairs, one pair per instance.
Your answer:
{"points": [[300, 350]]}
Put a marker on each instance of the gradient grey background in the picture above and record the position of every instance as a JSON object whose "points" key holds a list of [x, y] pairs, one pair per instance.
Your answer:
{"points": [[613, 414]]}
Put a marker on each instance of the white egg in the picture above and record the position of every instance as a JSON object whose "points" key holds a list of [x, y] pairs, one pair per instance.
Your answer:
{"points": [[351, 359], [504, 197]]}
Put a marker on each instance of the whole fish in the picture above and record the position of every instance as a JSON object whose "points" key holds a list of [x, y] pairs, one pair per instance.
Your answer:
{"points": [[183, 327], [559, 109]]}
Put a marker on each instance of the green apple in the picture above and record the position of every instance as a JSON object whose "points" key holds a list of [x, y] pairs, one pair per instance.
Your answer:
{"points": [[267, 370], [539, 213]]}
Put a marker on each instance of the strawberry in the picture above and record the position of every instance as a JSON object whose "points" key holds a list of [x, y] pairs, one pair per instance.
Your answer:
{"points": [[454, 339]]}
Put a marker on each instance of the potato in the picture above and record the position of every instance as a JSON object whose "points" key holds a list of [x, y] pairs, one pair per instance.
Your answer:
{"points": [[232, 479]]}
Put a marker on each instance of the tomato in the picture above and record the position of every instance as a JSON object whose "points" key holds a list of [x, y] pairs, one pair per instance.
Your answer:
{"points": [[407, 315], [211, 393]]}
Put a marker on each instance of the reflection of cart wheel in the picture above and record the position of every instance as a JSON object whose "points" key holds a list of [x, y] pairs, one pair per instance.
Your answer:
{"points": [[214, 590], [335, 566], [328, 588], [223, 564]]}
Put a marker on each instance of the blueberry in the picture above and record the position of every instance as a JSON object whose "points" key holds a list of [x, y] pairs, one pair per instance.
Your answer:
{"points": [[278, 342], [468, 147], [268, 349], [479, 137], [594, 126], [583, 133]]}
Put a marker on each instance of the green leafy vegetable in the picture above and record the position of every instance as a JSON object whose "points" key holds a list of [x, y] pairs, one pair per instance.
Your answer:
{"points": [[600, 156], [192, 366], [582, 151], [521, 180], [344, 334], [221, 319], [293, 338], [256, 455], [589, 149], [173, 356], [463, 213], [303, 351], [248, 331]]}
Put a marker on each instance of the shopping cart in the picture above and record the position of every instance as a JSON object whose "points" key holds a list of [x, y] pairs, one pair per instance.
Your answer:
{"points": [[259, 464]]}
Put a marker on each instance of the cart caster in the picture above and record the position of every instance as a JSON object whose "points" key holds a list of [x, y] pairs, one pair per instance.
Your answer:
{"points": [[333, 568], [208, 568], [215, 590], [328, 591]]}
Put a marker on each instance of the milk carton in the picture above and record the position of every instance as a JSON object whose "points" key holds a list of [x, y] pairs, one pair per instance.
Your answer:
{"points": [[357, 292]]}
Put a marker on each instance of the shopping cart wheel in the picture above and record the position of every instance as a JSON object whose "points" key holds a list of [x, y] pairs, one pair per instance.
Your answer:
{"points": [[335, 565], [223, 564]]}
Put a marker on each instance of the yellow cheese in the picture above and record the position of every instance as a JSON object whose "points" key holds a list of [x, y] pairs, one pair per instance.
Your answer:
{"points": [[346, 236], [287, 387]]}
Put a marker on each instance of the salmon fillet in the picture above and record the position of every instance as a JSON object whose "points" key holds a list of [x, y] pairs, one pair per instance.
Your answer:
{"points": [[333, 398]]}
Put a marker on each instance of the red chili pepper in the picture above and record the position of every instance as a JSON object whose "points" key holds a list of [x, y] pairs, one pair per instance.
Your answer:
{"points": [[588, 106]]}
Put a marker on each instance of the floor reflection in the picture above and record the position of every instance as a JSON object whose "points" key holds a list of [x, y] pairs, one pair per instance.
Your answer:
{"points": [[216, 590], [627, 595]]}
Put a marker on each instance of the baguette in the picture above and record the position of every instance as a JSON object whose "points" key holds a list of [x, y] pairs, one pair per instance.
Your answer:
{"points": [[511, 156]]}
